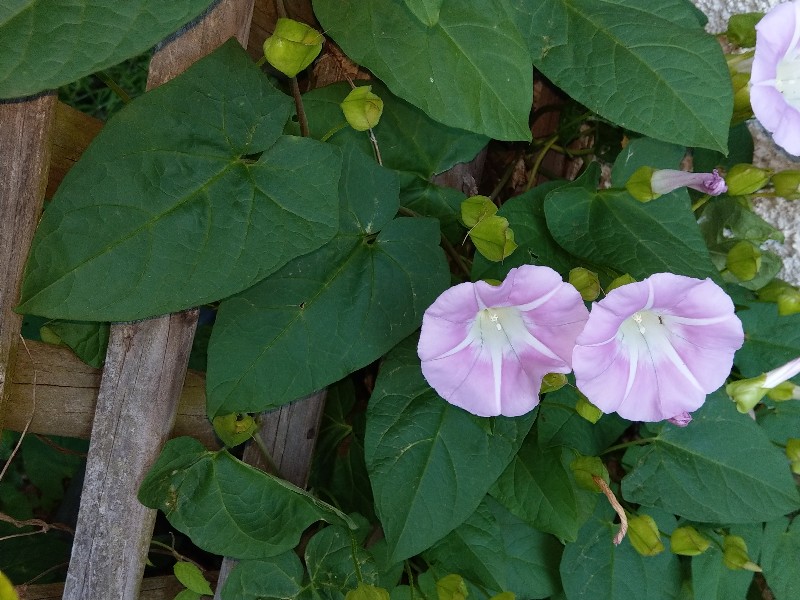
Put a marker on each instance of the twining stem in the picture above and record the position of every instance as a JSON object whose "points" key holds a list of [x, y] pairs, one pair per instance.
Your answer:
{"points": [[612, 500], [410, 576], [354, 555], [624, 445], [535, 170], [113, 86], [298, 100], [271, 466]]}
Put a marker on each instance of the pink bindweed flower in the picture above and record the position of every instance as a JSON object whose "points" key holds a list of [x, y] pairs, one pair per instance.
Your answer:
{"points": [[652, 350], [775, 76], [486, 348], [665, 181]]}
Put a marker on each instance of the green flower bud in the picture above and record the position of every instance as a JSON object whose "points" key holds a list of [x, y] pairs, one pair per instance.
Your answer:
{"points": [[638, 185], [787, 184], [493, 238], [365, 591], [362, 108], [743, 260], [292, 46], [452, 587], [619, 282], [789, 303], [784, 391], [587, 410], [793, 453], [644, 536], [742, 109], [687, 541], [747, 392], [586, 282], [552, 382], [742, 29], [745, 179], [234, 428], [475, 209], [734, 554], [504, 596], [584, 468]]}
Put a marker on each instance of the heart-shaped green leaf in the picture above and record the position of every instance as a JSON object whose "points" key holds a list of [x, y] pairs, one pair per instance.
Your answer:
{"points": [[171, 206]]}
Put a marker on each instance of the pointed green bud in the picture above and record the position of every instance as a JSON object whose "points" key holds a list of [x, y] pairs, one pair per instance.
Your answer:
{"points": [[584, 467], [639, 185], [493, 238], [362, 108], [771, 291], [365, 591], [552, 382], [292, 46], [587, 410], [742, 109], [475, 209], [747, 392], [789, 303], [687, 541], [619, 282], [452, 587], [504, 596], [743, 260], [234, 428], [787, 184], [586, 282], [734, 554], [742, 29], [644, 535], [745, 179], [793, 454], [784, 391]]}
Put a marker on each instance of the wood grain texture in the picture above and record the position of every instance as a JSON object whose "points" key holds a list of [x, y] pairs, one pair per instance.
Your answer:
{"points": [[73, 131], [153, 588], [25, 129], [66, 394], [142, 379]]}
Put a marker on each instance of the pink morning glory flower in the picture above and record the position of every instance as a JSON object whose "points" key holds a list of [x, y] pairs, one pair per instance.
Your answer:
{"points": [[775, 76], [652, 350], [486, 348], [665, 181]]}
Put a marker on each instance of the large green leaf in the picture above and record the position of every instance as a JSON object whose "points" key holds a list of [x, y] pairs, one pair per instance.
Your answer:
{"points": [[227, 507], [333, 311], [538, 487], [171, 206], [276, 578], [647, 66], [780, 557], [720, 468], [471, 69], [713, 580], [89, 341], [645, 152], [593, 568], [770, 339], [500, 552], [430, 463], [330, 557], [408, 139], [610, 228], [46, 44]]}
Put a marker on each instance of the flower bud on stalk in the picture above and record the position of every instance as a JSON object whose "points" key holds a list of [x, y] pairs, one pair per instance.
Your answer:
{"points": [[292, 47], [787, 184], [686, 541], [644, 535], [362, 108], [647, 183], [734, 554], [743, 260], [586, 282], [745, 179], [749, 392]]}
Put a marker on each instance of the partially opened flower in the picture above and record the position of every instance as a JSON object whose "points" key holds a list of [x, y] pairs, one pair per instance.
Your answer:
{"points": [[486, 348], [749, 392], [665, 181], [654, 349], [775, 77]]}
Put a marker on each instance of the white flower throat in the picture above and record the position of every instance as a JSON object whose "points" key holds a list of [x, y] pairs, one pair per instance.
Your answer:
{"points": [[787, 77]]}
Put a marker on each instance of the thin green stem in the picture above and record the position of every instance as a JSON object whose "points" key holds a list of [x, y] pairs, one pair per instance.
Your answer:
{"points": [[273, 468], [354, 556], [701, 202], [332, 132], [113, 86], [504, 179], [639, 442], [410, 576], [301, 111], [539, 159]]}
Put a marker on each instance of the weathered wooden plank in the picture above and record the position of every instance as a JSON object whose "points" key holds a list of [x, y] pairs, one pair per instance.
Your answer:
{"points": [[73, 131], [153, 588], [25, 129], [66, 395], [145, 368]]}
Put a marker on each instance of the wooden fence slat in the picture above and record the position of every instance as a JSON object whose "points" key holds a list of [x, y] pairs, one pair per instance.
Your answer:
{"points": [[25, 129], [153, 588], [66, 394], [145, 368], [73, 131]]}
